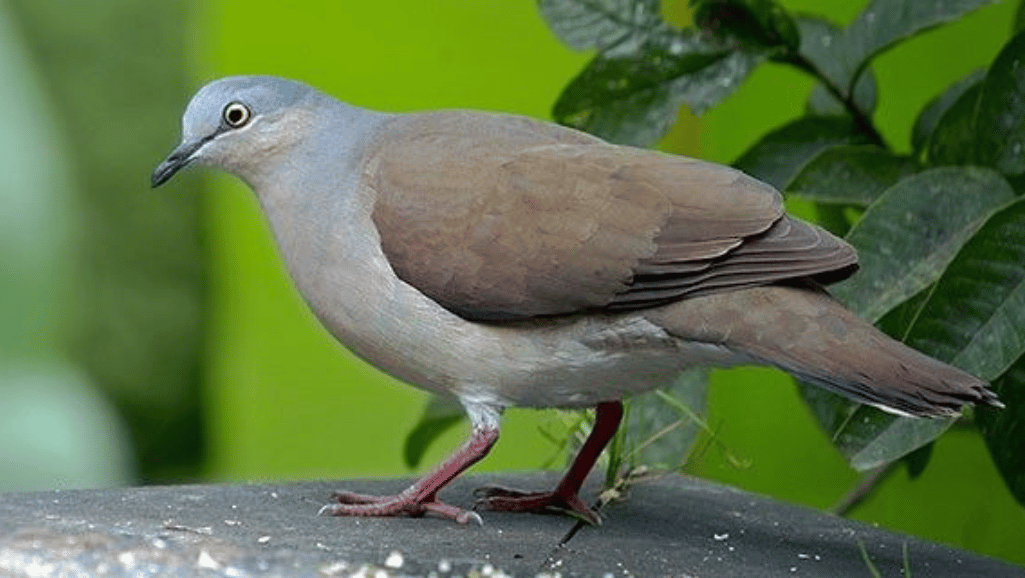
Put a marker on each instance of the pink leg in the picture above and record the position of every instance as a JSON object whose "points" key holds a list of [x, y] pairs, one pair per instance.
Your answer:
{"points": [[565, 496], [420, 498]]}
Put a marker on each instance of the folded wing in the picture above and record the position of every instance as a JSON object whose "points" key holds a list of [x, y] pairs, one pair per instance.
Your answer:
{"points": [[502, 218]]}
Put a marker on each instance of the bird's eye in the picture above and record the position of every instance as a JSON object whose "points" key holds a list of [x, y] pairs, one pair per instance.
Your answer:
{"points": [[236, 114]]}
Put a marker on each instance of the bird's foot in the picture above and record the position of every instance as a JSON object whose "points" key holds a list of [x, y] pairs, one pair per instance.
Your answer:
{"points": [[354, 504], [506, 500]]}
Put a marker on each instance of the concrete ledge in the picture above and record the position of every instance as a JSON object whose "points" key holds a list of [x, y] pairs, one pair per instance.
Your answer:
{"points": [[673, 526]]}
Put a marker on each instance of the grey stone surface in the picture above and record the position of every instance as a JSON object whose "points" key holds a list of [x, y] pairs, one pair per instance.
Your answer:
{"points": [[671, 526]]}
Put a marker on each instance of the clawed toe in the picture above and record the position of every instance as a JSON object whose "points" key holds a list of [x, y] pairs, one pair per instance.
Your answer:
{"points": [[355, 504], [487, 492], [500, 499], [345, 497]]}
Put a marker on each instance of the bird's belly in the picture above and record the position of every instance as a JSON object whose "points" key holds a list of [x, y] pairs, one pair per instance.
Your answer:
{"points": [[565, 362], [579, 362], [559, 362]]}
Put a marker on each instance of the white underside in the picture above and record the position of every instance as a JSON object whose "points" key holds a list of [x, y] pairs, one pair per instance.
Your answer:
{"points": [[578, 361]]}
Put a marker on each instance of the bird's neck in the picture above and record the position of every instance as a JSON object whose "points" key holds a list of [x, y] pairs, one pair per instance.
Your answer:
{"points": [[321, 220], [317, 186]]}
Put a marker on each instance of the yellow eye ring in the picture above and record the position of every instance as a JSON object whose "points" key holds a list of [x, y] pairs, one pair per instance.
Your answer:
{"points": [[236, 114]]}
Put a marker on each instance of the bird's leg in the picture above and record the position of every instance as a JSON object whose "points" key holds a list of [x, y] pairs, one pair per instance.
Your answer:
{"points": [[565, 496], [421, 497]]}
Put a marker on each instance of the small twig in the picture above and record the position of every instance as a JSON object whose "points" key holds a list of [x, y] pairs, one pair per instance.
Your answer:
{"points": [[861, 119]]}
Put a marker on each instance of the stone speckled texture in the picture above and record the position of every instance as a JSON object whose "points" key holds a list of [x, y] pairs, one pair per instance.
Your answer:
{"points": [[670, 526]]}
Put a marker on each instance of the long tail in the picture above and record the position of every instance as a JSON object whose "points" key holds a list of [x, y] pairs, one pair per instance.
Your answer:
{"points": [[807, 333]]}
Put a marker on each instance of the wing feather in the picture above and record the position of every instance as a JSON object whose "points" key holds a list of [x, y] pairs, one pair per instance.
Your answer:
{"points": [[500, 218]]}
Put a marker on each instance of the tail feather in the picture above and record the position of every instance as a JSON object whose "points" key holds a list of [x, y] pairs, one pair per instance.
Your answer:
{"points": [[807, 333]]}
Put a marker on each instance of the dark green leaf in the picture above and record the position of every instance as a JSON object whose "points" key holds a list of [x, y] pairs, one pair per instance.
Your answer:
{"points": [[850, 175], [974, 316], [752, 24], [918, 459], [884, 23], [607, 81], [867, 436], [821, 45], [898, 321], [1004, 429], [618, 26], [1019, 18], [906, 239], [660, 425], [1000, 118], [709, 86], [890, 437], [953, 140], [440, 414], [971, 318], [635, 99], [930, 116], [779, 155]]}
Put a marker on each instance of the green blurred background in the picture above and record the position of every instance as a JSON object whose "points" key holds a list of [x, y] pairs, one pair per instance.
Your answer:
{"points": [[153, 336]]}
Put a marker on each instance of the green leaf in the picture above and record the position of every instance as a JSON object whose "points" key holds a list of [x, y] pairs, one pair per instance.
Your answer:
{"points": [[972, 319], [898, 321], [779, 155], [868, 437], [843, 57], [930, 116], [892, 437], [660, 425], [906, 239], [821, 45], [1019, 18], [440, 414], [952, 142], [884, 23], [975, 315], [1000, 117], [758, 24], [1004, 429], [606, 25], [634, 99], [850, 175]]}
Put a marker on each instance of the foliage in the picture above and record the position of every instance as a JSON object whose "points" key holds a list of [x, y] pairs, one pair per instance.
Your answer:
{"points": [[940, 230]]}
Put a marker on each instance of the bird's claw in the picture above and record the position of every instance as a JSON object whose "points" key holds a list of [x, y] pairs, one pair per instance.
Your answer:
{"points": [[354, 504], [500, 499]]}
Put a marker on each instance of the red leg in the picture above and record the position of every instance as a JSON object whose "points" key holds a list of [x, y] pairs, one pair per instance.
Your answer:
{"points": [[421, 497], [565, 495]]}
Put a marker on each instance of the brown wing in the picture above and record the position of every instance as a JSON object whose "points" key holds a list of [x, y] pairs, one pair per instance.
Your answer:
{"points": [[498, 217]]}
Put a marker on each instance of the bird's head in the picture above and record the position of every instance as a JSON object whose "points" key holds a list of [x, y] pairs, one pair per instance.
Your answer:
{"points": [[238, 123]]}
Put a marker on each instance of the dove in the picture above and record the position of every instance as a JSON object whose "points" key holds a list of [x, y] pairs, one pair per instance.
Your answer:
{"points": [[505, 261]]}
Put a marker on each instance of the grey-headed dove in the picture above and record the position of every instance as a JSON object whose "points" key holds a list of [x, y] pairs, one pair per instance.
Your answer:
{"points": [[511, 262]]}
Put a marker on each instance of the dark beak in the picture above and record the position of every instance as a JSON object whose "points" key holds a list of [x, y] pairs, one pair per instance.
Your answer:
{"points": [[174, 162]]}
